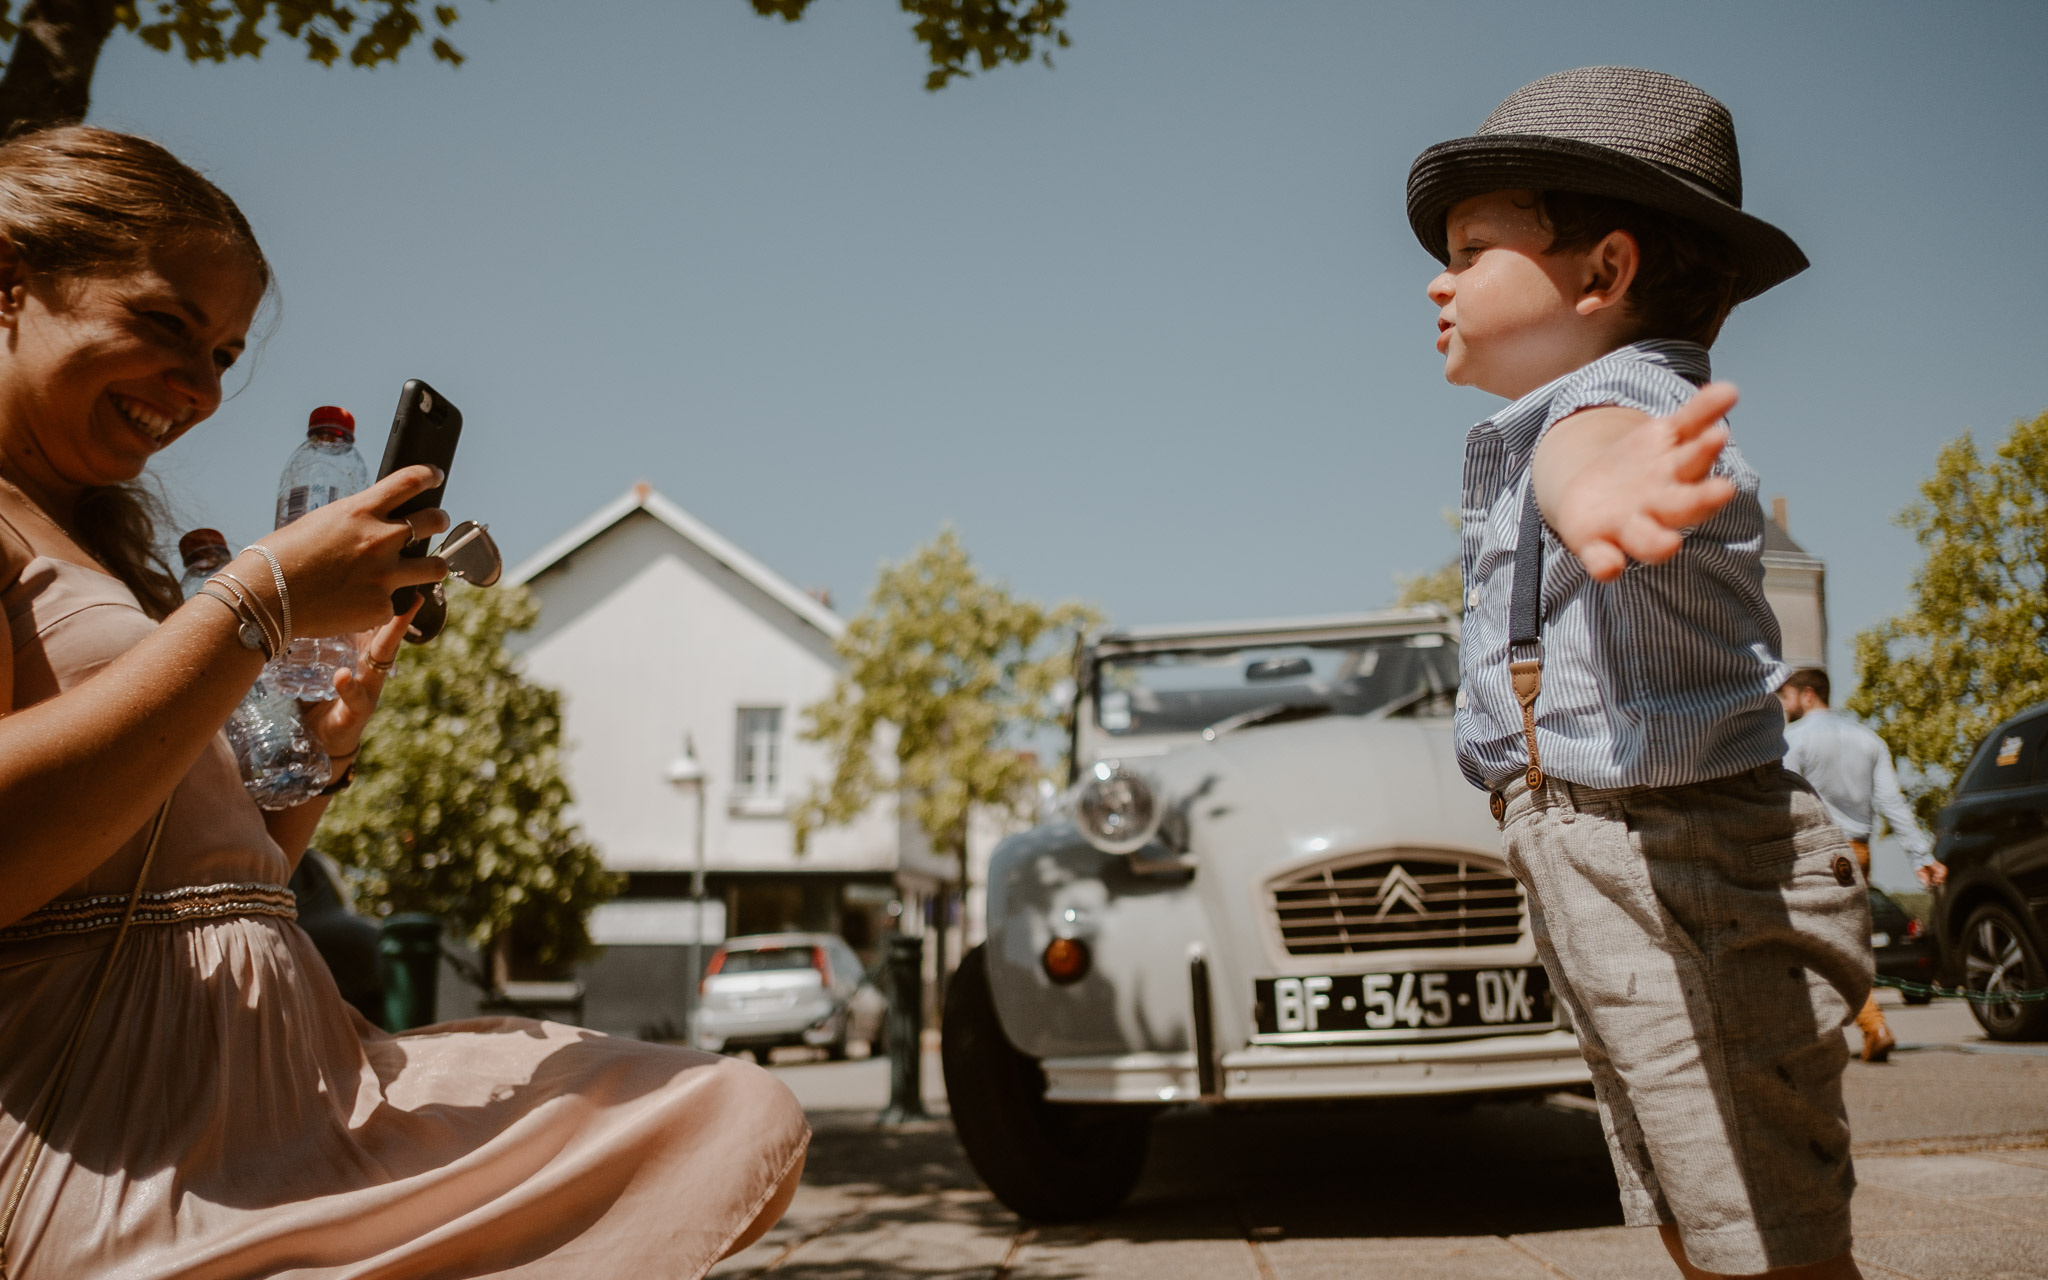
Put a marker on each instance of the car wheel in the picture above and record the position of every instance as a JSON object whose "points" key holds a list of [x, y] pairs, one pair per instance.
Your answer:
{"points": [[1916, 997], [1999, 956], [1049, 1162]]}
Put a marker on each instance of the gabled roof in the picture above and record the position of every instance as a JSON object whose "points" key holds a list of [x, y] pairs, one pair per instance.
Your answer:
{"points": [[642, 497], [1778, 542]]}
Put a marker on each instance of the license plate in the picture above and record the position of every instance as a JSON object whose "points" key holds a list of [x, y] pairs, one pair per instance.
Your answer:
{"points": [[1343, 1004], [1879, 941]]}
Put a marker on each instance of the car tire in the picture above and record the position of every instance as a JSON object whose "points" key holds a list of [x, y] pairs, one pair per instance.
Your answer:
{"points": [[1998, 950], [1049, 1162], [1915, 997]]}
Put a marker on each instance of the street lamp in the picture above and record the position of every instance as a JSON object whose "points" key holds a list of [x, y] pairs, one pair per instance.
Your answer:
{"points": [[686, 774]]}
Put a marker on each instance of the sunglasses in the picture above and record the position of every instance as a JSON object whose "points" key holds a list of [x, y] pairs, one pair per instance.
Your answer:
{"points": [[473, 557]]}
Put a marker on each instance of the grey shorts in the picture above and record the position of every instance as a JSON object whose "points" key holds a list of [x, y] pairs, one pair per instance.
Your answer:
{"points": [[1710, 942]]}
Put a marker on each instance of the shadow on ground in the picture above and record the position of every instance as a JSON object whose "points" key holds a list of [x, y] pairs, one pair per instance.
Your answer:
{"points": [[1392, 1170]]}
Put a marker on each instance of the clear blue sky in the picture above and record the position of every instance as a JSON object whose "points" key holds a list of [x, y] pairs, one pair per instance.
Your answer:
{"points": [[1147, 327]]}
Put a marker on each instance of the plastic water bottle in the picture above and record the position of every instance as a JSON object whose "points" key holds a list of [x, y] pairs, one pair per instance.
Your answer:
{"points": [[325, 468], [205, 553], [281, 766]]}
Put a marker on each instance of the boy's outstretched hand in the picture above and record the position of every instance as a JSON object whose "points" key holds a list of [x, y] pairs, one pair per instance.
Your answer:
{"points": [[1615, 484]]}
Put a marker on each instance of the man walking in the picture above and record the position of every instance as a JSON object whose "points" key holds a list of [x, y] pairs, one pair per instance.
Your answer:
{"points": [[1852, 770]]}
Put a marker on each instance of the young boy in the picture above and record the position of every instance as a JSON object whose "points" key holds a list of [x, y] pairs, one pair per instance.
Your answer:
{"points": [[1695, 908]]}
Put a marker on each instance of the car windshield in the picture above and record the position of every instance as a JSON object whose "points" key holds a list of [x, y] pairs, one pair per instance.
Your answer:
{"points": [[1188, 690], [766, 960]]}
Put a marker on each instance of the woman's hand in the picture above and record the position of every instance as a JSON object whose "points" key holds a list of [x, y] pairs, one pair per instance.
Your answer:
{"points": [[341, 561], [337, 724]]}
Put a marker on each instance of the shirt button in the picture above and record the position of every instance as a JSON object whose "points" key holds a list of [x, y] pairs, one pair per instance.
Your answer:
{"points": [[1472, 599], [1461, 699]]}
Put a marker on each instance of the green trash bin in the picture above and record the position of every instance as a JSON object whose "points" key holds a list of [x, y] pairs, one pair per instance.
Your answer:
{"points": [[411, 949]]}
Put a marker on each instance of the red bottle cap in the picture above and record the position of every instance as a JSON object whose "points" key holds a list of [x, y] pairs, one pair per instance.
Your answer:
{"points": [[334, 416], [197, 541]]}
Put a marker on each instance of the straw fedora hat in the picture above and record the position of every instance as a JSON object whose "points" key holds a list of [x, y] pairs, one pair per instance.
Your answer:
{"points": [[1622, 132]]}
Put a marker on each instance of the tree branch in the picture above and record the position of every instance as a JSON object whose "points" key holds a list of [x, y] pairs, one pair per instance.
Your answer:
{"points": [[49, 76]]}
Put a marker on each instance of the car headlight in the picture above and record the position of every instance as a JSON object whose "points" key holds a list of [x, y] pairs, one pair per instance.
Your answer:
{"points": [[1117, 809]]}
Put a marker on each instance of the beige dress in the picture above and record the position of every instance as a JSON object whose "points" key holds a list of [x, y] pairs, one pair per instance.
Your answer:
{"points": [[230, 1116]]}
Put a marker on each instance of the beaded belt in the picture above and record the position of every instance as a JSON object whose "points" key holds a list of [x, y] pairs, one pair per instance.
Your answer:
{"points": [[198, 902]]}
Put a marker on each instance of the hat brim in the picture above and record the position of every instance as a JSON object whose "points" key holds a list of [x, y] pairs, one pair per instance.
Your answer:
{"points": [[1465, 167]]}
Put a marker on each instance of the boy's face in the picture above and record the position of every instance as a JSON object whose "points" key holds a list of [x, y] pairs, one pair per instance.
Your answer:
{"points": [[1511, 315]]}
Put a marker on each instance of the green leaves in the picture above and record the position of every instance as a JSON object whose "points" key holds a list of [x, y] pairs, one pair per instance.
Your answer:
{"points": [[1970, 651], [458, 804], [949, 674], [205, 31], [954, 33]]}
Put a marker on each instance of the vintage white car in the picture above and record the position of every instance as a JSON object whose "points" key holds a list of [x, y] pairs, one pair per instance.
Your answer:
{"points": [[1269, 884]]}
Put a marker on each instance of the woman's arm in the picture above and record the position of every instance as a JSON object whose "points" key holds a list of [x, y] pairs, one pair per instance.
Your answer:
{"points": [[81, 773]]}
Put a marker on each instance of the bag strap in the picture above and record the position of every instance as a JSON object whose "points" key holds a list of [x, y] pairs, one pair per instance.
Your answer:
{"points": [[1525, 624], [45, 1114]]}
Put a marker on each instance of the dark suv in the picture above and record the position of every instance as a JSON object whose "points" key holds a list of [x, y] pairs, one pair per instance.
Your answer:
{"points": [[1994, 838]]}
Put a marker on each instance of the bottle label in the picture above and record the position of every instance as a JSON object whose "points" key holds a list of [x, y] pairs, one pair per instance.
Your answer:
{"points": [[301, 498]]}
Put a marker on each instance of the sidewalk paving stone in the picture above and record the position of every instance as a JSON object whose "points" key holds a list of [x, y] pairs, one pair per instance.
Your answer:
{"points": [[1456, 1258], [1067, 1253], [1606, 1253], [1952, 1158]]}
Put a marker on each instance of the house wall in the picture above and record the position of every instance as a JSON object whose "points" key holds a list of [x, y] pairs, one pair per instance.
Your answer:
{"points": [[1795, 588], [650, 639]]}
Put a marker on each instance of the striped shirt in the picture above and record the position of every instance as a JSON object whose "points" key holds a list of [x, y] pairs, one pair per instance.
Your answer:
{"points": [[1664, 676]]}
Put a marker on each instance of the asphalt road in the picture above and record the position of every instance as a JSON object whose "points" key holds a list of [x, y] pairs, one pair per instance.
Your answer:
{"points": [[1952, 1158]]}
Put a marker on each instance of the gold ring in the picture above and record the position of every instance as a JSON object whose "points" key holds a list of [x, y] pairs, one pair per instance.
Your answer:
{"points": [[381, 666]]}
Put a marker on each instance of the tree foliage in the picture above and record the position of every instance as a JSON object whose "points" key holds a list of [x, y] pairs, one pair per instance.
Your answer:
{"points": [[953, 32], [457, 808], [958, 673], [56, 43], [1970, 651], [1443, 585]]}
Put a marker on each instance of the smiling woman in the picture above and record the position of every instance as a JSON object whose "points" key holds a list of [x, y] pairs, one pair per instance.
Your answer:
{"points": [[182, 1089]]}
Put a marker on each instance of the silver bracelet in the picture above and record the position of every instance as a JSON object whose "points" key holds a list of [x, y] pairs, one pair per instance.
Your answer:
{"points": [[247, 632], [284, 595], [255, 607]]}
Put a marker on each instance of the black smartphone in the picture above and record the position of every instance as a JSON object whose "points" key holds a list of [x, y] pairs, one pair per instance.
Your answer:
{"points": [[423, 431]]}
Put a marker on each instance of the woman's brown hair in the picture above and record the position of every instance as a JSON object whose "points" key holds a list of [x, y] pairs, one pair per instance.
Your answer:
{"points": [[81, 201]]}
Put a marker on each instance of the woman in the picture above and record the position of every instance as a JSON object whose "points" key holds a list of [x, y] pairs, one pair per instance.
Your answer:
{"points": [[226, 1114]]}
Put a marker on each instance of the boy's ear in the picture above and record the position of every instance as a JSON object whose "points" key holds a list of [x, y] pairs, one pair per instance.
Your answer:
{"points": [[1609, 270]]}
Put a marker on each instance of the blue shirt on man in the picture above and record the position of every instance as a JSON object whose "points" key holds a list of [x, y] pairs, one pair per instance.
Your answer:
{"points": [[1664, 676], [1852, 770]]}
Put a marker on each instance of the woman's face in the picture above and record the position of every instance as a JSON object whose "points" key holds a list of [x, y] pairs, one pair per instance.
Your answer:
{"points": [[99, 373]]}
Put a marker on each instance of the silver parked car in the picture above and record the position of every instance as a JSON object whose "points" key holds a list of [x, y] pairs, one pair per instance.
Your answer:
{"points": [[1269, 884], [774, 989]]}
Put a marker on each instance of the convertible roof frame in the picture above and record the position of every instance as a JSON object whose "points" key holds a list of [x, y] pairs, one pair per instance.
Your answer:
{"points": [[1228, 635]]}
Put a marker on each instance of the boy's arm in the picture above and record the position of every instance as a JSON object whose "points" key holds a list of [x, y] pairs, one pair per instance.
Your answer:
{"points": [[1616, 484]]}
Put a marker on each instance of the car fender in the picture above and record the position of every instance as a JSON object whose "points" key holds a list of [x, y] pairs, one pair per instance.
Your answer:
{"points": [[1138, 926]]}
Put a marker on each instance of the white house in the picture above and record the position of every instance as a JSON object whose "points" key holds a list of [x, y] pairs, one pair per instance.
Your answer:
{"points": [[659, 633], [1795, 586]]}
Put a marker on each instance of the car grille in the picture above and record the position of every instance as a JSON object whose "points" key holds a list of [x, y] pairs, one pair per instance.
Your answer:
{"points": [[1386, 903]]}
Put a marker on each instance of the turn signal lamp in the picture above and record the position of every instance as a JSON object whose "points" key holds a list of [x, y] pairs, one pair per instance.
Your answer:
{"points": [[1066, 960]]}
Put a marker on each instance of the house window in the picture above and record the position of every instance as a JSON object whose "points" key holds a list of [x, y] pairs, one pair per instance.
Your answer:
{"points": [[757, 774]]}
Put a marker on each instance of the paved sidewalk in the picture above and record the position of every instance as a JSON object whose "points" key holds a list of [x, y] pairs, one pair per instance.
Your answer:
{"points": [[1952, 1156]]}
